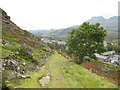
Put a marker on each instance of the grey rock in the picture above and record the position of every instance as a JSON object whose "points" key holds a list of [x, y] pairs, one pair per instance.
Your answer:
{"points": [[42, 55], [35, 61], [18, 68], [23, 76], [44, 81]]}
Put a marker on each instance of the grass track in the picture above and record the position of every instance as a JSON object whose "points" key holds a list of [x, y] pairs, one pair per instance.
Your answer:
{"points": [[65, 74]]}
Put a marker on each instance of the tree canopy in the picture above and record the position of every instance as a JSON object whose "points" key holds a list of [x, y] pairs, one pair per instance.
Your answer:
{"points": [[86, 40]]}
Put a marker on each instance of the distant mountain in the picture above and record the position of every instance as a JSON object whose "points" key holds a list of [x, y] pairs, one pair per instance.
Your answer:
{"points": [[53, 32], [111, 25], [62, 31]]}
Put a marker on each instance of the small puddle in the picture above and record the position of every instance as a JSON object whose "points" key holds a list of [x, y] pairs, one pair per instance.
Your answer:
{"points": [[44, 80]]}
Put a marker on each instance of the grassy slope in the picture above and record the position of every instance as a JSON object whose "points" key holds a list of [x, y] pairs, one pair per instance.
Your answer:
{"points": [[65, 74], [19, 46]]}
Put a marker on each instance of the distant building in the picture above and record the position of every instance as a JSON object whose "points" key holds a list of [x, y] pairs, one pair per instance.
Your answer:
{"points": [[53, 41], [108, 53], [46, 40], [62, 42], [101, 57], [114, 59], [105, 44]]}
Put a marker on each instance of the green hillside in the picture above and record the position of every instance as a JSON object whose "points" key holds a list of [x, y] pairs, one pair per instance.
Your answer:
{"points": [[64, 74], [21, 51]]}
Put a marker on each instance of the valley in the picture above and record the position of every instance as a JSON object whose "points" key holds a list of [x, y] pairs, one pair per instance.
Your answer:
{"points": [[35, 61]]}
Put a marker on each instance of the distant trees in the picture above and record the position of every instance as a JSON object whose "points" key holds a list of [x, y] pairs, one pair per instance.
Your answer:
{"points": [[86, 40], [56, 46], [113, 46]]}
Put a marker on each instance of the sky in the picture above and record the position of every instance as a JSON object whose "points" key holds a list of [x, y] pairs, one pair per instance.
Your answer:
{"points": [[55, 14]]}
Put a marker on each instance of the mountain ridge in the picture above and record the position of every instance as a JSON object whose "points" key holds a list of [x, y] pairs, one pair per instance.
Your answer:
{"points": [[110, 24]]}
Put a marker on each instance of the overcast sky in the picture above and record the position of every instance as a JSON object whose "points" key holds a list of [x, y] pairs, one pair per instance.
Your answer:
{"points": [[54, 14]]}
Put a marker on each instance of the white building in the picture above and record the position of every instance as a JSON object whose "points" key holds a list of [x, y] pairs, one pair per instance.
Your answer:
{"points": [[61, 42], [108, 53]]}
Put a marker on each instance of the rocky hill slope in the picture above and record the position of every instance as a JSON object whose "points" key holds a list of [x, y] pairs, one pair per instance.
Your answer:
{"points": [[22, 52]]}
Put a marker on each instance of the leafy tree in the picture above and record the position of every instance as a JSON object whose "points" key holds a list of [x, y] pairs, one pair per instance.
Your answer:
{"points": [[113, 46], [86, 40]]}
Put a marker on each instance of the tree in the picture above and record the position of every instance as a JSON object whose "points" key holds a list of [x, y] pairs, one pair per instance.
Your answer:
{"points": [[86, 40]]}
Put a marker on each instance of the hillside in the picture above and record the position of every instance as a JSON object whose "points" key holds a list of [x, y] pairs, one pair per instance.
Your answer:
{"points": [[21, 51], [30, 63], [58, 72]]}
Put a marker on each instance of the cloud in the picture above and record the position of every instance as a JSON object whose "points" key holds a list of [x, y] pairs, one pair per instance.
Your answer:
{"points": [[47, 14]]}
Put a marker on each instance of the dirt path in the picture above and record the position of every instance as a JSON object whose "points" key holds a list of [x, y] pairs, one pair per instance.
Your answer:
{"points": [[59, 73]]}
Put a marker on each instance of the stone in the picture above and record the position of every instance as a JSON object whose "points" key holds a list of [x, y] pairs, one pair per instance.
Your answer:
{"points": [[35, 62], [44, 81], [91, 70], [43, 63], [4, 64], [23, 76], [48, 74], [3, 69], [18, 68], [12, 63], [7, 81], [42, 55], [24, 63], [16, 52]]}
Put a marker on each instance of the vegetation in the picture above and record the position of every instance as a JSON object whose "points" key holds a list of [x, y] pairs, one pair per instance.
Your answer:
{"points": [[113, 45], [56, 46], [64, 74], [26, 58], [86, 40], [21, 51]]}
